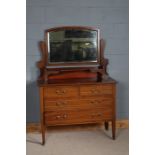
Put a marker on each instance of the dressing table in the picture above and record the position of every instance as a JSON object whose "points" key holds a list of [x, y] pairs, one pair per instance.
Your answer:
{"points": [[74, 85]]}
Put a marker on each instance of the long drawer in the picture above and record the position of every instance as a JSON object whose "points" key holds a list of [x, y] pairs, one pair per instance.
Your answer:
{"points": [[65, 104], [77, 117], [60, 92]]}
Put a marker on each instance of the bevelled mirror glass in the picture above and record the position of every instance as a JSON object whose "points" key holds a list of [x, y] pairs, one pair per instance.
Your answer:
{"points": [[72, 45]]}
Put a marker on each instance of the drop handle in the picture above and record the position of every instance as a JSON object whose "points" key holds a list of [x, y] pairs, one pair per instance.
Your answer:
{"points": [[95, 91], [60, 103], [63, 91], [58, 117], [92, 102], [64, 116], [61, 117], [95, 102], [60, 92], [97, 115], [57, 91]]}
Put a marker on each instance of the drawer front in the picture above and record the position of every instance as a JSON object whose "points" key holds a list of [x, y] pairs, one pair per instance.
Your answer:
{"points": [[60, 91], [93, 90], [77, 117], [96, 103], [60, 104]]}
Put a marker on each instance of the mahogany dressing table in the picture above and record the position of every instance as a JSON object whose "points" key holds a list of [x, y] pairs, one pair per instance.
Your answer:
{"points": [[74, 85]]}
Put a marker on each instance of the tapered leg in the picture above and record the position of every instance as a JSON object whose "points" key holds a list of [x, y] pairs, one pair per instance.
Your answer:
{"points": [[42, 116], [106, 125], [113, 129], [43, 129], [43, 133]]}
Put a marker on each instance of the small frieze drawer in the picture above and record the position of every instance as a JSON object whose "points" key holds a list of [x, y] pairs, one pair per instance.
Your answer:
{"points": [[60, 91], [91, 90]]}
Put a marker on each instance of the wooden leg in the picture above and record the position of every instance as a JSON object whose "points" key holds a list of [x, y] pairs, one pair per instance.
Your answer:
{"points": [[113, 129], [42, 115], [43, 136], [106, 125], [43, 131]]}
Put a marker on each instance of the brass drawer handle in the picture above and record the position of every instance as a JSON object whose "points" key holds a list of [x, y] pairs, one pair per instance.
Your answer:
{"points": [[94, 91], [95, 102], [60, 103], [60, 92], [96, 115], [63, 91], [64, 116], [61, 117], [58, 117], [92, 102], [57, 91]]}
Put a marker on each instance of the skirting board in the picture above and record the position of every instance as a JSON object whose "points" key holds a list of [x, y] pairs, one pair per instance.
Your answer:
{"points": [[35, 127]]}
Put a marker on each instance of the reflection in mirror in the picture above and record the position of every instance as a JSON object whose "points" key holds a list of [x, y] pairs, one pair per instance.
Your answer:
{"points": [[72, 46]]}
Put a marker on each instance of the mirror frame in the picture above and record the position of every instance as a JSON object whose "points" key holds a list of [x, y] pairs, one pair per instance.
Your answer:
{"points": [[73, 64]]}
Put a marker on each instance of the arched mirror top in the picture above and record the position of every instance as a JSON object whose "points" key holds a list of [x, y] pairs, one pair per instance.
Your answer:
{"points": [[73, 45]]}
